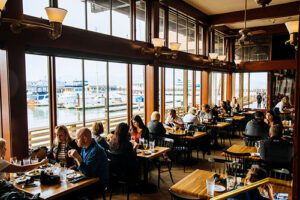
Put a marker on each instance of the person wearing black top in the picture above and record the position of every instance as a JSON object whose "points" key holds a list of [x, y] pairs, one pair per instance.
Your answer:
{"points": [[276, 150], [156, 128], [257, 127], [97, 130]]}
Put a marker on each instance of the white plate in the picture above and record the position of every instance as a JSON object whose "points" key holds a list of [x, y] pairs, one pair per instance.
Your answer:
{"points": [[147, 152], [219, 188], [70, 171], [255, 154], [74, 175], [35, 172]]}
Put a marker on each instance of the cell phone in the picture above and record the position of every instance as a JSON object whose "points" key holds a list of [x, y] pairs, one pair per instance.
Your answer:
{"points": [[281, 196]]}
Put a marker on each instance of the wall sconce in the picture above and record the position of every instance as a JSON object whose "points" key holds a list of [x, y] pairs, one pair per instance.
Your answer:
{"points": [[293, 29], [159, 48], [55, 15], [237, 63]]}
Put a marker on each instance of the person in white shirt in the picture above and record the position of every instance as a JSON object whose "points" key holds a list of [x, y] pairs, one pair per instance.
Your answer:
{"points": [[284, 105], [173, 120], [6, 167], [191, 117]]}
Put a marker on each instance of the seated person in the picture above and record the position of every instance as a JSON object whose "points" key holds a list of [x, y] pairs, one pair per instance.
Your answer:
{"points": [[6, 167], [228, 106], [92, 160], [120, 144], [223, 108], [205, 113], [173, 120], [275, 149], [97, 130], [284, 105], [139, 130], [257, 127], [156, 128], [254, 175], [61, 145], [191, 117], [271, 119], [235, 105]]}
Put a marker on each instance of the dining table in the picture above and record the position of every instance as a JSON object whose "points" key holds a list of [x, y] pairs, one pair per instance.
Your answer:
{"points": [[194, 185], [48, 192], [236, 148]]}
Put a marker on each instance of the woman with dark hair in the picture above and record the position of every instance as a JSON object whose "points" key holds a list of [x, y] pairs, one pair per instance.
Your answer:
{"points": [[120, 140], [139, 130], [61, 145], [271, 119]]}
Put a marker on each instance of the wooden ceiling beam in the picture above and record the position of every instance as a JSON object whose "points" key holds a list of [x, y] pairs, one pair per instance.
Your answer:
{"points": [[182, 6], [282, 10], [270, 30], [264, 66]]}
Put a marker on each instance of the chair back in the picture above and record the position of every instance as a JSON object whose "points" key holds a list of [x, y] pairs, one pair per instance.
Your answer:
{"points": [[39, 153], [237, 163], [165, 142], [251, 140], [282, 174], [218, 165]]}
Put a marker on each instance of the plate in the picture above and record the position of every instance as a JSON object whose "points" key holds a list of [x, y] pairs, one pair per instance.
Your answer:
{"points": [[22, 179], [255, 154], [147, 152], [70, 171], [219, 188], [34, 173], [73, 175]]}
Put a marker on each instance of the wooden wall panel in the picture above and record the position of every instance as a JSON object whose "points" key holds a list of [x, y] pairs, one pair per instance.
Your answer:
{"points": [[204, 87]]}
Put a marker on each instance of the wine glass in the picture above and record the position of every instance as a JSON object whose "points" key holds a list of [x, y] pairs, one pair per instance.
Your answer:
{"points": [[145, 144]]}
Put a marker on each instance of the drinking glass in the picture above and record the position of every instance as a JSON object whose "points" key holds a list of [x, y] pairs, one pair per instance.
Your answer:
{"points": [[63, 174], [152, 146], [26, 161], [210, 186], [145, 144], [230, 182], [34, 160], [13, 160], [257, 145], [141, 141]]}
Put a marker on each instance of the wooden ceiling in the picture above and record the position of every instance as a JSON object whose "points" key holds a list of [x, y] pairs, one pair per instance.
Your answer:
{"points": [[231, 12]]}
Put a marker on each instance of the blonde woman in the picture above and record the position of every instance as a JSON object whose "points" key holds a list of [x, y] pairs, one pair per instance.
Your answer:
{"points": [[97, 130], [6, 167], [61, 145]]}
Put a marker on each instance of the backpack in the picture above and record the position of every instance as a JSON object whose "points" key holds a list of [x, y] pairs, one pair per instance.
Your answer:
{"points": [[9, 192]]}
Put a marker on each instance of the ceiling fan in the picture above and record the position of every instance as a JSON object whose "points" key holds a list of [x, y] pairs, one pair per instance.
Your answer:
{"points": [[245, 34]]}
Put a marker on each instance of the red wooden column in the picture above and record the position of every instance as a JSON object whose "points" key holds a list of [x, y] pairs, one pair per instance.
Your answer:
{"points": [[204, 87], [229, 87]]}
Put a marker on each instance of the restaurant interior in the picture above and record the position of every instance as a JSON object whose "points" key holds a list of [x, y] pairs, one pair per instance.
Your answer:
{"points": [[149, 99]]}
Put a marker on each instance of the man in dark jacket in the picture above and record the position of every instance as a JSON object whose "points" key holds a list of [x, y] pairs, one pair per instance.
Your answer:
{"points": [[276, 150], [257, 127]]}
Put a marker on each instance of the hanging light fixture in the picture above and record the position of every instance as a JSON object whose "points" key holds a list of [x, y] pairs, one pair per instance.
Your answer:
{"points": [[55, 15], [263, 3], [293, 29]]}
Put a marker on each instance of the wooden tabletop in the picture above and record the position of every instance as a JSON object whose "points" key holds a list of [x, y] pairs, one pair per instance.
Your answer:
{"points": [[158, 152], [194, 185], [238, 118], [220, 125], [197, 134], [241, 149], [57, 190]]}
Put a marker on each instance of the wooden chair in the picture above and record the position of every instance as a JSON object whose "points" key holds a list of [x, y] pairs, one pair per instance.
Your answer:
{"points": [[176, 196], [236, 163], [251, 140], [39, 153], [218, 165], [282, 174], [165, 159]]}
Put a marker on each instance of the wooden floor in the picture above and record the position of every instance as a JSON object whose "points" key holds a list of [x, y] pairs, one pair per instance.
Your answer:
{"points": [[178, 174]]}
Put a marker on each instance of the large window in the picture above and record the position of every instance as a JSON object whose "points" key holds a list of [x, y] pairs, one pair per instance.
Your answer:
{"points": [[216, 88], [117, 94], [225, 76], [190, 88], [198, 88], [182, 32], [35, 8], [69, 92], [201, 40], [76, 12], [37, 100], [219, 44], [121, 18], [169, 88], [258, 90], [98, 16], [236, 85], [161, 23], [140, 20], [246, 90], [95, 73], [138, 90], [178, 79], [172, 27], [191, 37]]}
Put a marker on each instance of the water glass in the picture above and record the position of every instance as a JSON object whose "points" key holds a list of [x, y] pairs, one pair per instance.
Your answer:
{"points": [[230, 183], [26, 161], [257, 145], [63, 174], [145, 144], [34, 160], [210, 186], [141, 141], [152, 146]]}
